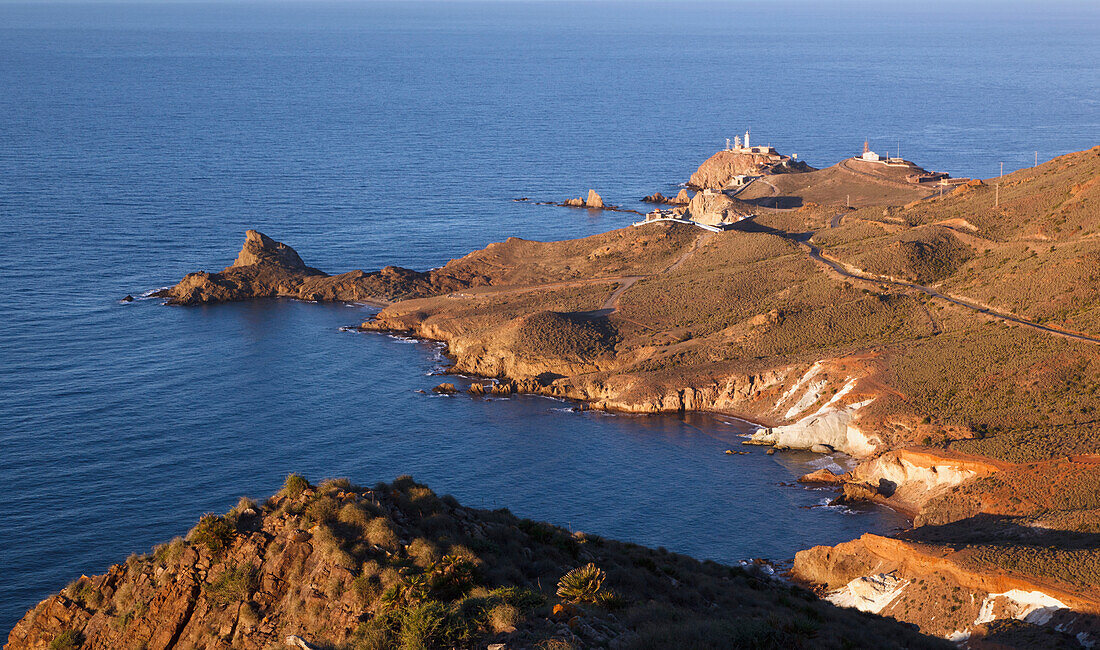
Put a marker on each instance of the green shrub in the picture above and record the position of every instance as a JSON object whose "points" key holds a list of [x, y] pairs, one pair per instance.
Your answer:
{"points": [[67, 640], [379, 531], [214, 532], [424, 626], [234, 584], [582, 584], [322, 510], [294, 485]]}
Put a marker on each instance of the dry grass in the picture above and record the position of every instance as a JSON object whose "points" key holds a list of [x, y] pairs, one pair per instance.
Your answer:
{"points": [[568, 336]]}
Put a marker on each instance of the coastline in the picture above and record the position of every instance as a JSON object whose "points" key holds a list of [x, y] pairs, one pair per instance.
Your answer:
{"points": [[834, 363]]}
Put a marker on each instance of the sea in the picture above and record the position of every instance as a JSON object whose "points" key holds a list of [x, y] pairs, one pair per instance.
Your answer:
{"points": [[139, 140]]}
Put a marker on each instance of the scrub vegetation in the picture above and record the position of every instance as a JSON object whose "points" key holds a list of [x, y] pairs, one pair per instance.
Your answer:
{"points": [[396, 566]]}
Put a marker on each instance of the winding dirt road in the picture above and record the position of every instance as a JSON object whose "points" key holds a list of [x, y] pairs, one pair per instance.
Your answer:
{"points": [[612, 303], [816, 254]]}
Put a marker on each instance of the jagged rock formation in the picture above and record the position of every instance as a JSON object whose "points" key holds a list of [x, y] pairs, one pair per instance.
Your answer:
{"points": [[953, 592], [266, 268], [339, 565], [681, 198], [593, 202]]}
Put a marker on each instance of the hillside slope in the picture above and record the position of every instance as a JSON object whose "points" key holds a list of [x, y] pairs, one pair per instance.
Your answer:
{"points": [[340, 566]]}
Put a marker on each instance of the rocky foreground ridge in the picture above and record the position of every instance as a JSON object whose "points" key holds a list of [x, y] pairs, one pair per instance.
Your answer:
{"points": [[394, 566], [951, 344]]}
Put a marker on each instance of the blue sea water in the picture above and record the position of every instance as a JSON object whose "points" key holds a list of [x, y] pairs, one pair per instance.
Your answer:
{"points": [[138, 140]]}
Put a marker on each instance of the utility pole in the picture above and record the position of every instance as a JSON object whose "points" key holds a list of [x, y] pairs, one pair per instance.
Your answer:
{"points": [[997, 192]]}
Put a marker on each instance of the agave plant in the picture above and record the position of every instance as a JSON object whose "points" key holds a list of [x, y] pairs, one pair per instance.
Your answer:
{"points": [[582, 585]]}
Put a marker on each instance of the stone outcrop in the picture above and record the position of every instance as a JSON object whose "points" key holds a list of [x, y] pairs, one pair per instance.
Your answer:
{"points": [[830, 427], [266, 268], [718, 171], [910, 478], [716, 208], [681, 198], [593, 202]]}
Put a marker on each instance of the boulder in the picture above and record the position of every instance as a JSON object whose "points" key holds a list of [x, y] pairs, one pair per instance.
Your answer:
{"points": [[445, 389], [503, 389], [855, 492], [294, 641], [656, 197], [128, 298], [716, 208], [682, 198], [822, 477], [594, 200]]}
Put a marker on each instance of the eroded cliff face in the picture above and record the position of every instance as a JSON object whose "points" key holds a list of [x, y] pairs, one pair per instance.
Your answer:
{"points": [[950, 592], [814, 408]]}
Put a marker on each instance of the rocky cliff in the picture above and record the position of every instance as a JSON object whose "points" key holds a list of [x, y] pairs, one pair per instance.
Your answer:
{"points": [[718, 171], [961, 593], [341, 566]]}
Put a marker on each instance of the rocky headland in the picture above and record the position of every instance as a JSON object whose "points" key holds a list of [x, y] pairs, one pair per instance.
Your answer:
{"points": [[337, 565], [266, 268], [950, 344], [719, 171]]}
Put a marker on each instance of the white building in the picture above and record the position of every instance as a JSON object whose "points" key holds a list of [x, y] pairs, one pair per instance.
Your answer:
{"points": [[868, 154]]}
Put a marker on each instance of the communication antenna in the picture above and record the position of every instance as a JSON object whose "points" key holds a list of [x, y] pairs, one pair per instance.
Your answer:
{"points": [[1036, 158]]}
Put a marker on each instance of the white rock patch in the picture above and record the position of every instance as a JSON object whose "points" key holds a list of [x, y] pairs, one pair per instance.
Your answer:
{"points": [[869, 593], [814, 369], [832, 428], [1033, 607], [808, 399]]}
